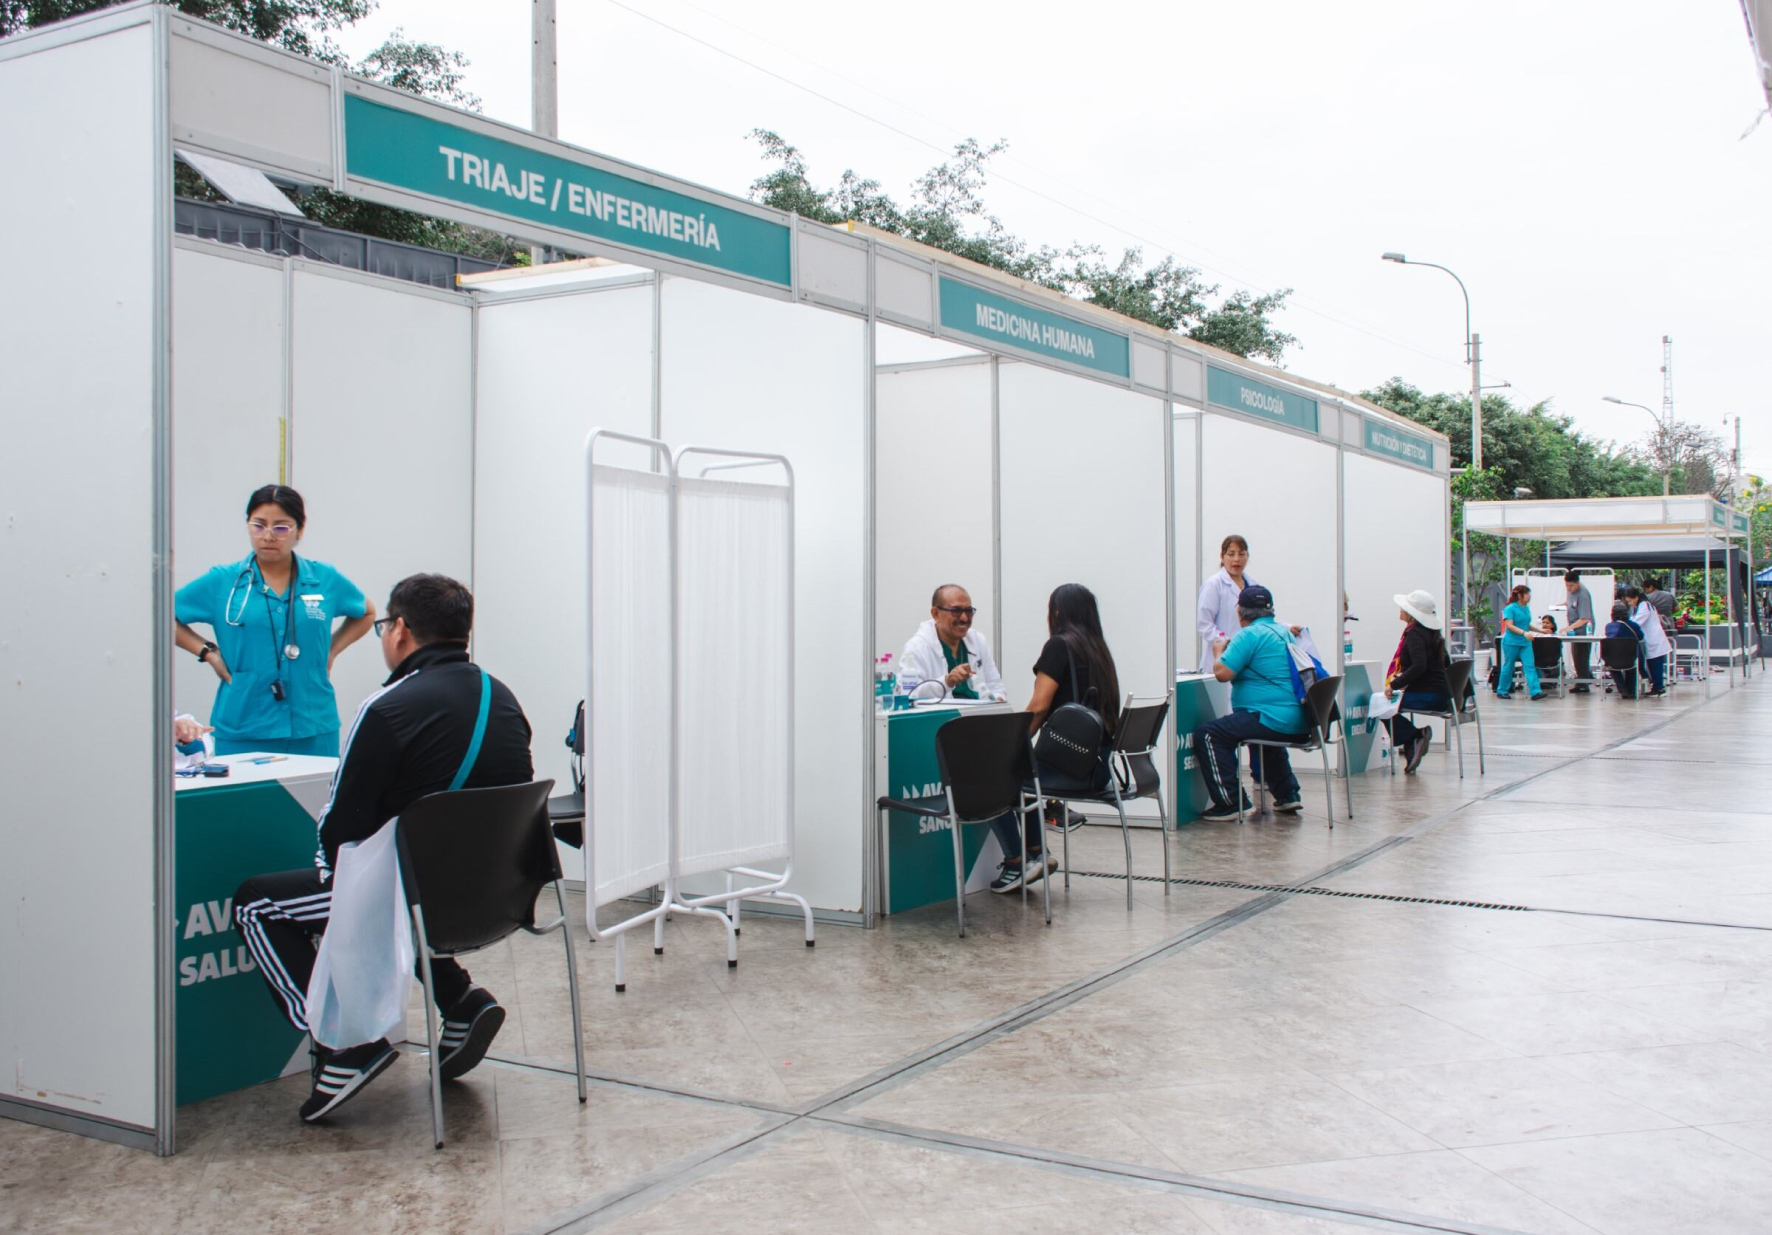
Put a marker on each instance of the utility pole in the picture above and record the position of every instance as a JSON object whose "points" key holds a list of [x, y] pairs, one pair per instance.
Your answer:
{"points": [[544, 84], [1667, 410], [1477, 402]]}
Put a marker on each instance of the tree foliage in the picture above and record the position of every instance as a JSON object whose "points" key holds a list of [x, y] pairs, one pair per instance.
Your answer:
{"points": [[1696, 459], [306, 27], [946, 210]]}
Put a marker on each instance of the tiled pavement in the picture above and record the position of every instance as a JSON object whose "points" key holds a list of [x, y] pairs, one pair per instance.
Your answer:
{"points": [[1221, 1060]]}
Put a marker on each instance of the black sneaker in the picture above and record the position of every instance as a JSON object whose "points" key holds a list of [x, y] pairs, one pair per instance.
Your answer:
{"points": [[343, 1074], [1072, 820], [1009, 877], [1418, 752], [1291, 806], [1217, 811], [468, 1030]]}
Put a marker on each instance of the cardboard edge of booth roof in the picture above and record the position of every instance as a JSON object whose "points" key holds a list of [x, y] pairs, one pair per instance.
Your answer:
{"points": [[1059, 302]]}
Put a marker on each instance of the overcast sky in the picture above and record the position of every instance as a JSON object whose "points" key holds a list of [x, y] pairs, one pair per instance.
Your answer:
{"points": [[1580, 164]]}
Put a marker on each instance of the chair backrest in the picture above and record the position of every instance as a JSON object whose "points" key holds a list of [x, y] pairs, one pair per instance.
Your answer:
{"points": [[1620, 653], [1320, 707], [476, 859], [984, 762], [1547, 652], [1458, 681], [1135, 740]]}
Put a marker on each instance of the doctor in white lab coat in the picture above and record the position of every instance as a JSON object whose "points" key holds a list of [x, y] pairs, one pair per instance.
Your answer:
{"points": [[946, 649], [1216, 617]]}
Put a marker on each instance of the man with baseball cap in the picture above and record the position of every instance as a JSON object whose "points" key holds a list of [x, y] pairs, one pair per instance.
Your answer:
{"points": [[1257, 662]]}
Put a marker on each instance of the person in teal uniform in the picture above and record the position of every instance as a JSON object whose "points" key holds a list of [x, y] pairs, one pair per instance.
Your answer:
{"points": [[273, 645], [1516, 645]]}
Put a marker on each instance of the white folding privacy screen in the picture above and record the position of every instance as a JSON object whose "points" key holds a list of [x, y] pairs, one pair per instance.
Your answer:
{"points": [[689, 698]]}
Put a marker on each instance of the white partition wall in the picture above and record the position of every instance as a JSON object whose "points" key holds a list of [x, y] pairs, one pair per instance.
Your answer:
{"points": [[550, 370], [228, 391], [1083, 502], [82, 481], [726, 383], [1276, 490], [1192, 562], [381, 439], [1396, 543], [935, 517]]}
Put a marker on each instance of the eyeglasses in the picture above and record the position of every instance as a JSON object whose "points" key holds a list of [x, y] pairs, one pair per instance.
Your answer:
{"points": [[276, 530], [380, 625], [964, 611]]}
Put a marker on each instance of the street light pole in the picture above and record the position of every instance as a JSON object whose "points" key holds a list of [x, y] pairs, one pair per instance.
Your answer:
{"points": [[1473, 350], [1666, 444]]}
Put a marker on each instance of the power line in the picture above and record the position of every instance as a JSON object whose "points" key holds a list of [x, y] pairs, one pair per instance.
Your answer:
{"points": [[1062, 204]]}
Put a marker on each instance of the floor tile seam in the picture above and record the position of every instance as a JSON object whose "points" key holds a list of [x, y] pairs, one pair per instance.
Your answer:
{"points": [[1205, 1187], [610, 1080], [661, 1181]]}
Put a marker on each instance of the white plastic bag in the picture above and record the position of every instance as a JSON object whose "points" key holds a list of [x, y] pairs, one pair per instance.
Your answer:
{"points": [[363, 973], [1383, 707]]}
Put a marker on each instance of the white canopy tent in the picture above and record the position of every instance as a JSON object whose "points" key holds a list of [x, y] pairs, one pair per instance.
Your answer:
{"points": [[1612, 518], [445, 431]]}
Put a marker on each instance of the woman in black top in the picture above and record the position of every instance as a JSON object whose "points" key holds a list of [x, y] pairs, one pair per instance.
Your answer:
{"points": [[1418, 674], [1074, 666]]}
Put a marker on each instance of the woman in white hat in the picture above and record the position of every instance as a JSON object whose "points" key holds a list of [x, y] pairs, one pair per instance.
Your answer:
{"points": [[1417, 673]]}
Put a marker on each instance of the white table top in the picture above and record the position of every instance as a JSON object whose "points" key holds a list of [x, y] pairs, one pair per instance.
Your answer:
{"points": [[245, 772]]}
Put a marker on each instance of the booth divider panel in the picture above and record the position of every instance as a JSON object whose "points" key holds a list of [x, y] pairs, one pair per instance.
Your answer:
{"points": [[628, 711], [549, 372], [381, 444], [1396, 542], [1083, 502], [1277, 490], [227, 397], [77, 955], [1192, 563], [746, 373], [735, 674], [933, 517]]}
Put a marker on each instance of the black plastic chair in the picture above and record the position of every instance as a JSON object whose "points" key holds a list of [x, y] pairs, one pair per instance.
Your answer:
{"points": [[1322, 711], [1132, 774], [1622, 655], [1547, 657], [985, 761], [1464, 703], [473, 862], [566, 811]]}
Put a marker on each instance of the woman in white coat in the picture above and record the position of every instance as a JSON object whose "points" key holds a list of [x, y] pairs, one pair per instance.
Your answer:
{"points": [[1216, 617]]}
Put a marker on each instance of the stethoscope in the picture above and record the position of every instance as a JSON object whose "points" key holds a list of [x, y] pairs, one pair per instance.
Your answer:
{"points": [[237, 617]]}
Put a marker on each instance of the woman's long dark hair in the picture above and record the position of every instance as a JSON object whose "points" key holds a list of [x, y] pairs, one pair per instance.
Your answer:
{"points": [[1072, 615]]}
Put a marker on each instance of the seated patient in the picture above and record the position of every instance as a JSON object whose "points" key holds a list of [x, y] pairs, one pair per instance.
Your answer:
{"points": [[411, 738], [1621, 627], [1257, 662]]}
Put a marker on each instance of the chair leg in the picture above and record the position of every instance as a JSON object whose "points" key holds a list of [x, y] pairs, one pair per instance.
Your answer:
{"points": [[1021, 830], [1126, 839], [1064, 831], [1347, 781], [1482, 770], [1328, 783], [1458, 737], [959, 871], [422, 942], [621, 962], [1045, 844], [578, 1024], [1163, 832]]}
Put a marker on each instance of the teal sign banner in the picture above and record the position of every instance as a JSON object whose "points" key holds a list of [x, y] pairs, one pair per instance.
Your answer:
{"points": [[1717, 517], [1383, 439], [1741, 523], [421, 154], [1245, 394], [1193, 707], [998, 320], [919, 851]]}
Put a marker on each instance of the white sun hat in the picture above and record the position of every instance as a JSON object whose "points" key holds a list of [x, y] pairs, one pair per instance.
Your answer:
{"points": [[1422, 607]]}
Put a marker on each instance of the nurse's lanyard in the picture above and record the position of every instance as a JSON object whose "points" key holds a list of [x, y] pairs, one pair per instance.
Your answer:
{"points": [[289, 649]]}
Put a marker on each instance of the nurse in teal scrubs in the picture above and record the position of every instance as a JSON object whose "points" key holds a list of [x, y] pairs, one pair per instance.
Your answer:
{"points": [[272, 614]]}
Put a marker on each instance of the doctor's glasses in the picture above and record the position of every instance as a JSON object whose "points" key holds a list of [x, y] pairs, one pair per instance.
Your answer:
{"points": [[275, 531]]}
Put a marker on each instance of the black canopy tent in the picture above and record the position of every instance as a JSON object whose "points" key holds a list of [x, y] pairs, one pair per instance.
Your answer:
{"points": [[1652, 554]]}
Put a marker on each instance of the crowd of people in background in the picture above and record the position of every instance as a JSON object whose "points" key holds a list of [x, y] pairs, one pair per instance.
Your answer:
{"points": [[1643, 614]]}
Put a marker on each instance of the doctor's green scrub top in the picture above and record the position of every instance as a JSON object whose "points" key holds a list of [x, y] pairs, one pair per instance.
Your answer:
{"points": [[251, 625]]}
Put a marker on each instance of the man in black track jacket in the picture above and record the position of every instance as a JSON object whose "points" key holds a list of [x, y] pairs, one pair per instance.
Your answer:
{"points": [[409, 739]]}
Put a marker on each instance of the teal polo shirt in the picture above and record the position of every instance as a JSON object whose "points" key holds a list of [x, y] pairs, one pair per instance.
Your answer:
{"points": [[250, 622], [1258, 657]]}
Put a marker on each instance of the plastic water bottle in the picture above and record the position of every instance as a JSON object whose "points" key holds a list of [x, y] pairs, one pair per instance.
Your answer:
{"points": [[885, 683]]}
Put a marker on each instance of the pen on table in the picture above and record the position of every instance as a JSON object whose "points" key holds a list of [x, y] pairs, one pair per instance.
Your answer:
{"points": [[268, 759]]}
